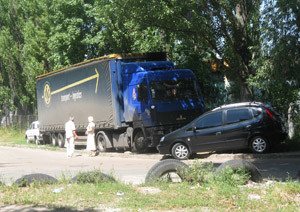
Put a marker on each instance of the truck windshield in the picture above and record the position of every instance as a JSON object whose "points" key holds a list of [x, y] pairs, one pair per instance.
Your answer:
{"points": [[173, 90]]}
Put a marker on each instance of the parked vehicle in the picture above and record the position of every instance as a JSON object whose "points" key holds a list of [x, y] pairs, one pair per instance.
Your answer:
{"points": [[135, 99], [33, 133], [251, 125]]}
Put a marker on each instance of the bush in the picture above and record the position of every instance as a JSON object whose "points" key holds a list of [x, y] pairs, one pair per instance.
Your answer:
{"points": [[203, 173]]}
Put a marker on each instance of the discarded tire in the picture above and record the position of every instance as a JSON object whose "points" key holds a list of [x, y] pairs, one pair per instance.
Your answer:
{"points": [[165, 167], [92, 177], [35, 178], [249, 167]]}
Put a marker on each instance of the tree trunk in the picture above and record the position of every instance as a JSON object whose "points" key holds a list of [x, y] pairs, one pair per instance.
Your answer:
{"points": [[291, 126]]}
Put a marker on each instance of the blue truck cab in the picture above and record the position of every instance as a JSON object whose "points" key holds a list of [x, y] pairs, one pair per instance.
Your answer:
{"points": [[157, 99], [135, 99]]}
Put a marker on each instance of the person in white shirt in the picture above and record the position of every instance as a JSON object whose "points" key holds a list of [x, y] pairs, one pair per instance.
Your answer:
{"points": [[90, 132], [70, 134]]}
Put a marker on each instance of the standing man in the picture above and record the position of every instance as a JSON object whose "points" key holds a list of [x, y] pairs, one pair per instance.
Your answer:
{"points": [[70, 134]]}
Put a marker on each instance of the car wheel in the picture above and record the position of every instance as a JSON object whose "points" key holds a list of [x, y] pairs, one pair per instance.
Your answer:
{"points": [[235, 165], [27, 140], [259, 145], [180, 151], [140, 144], [61, 140], [101, 143], [53, 139], [166, 170]]}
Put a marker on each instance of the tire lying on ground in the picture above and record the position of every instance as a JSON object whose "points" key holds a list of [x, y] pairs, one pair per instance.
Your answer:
{"points": [[92, 177], [35, 178], [249, 167], [164, 167]]}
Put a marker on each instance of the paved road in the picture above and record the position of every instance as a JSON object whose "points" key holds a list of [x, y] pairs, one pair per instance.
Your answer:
{"points": [[16, 162]]}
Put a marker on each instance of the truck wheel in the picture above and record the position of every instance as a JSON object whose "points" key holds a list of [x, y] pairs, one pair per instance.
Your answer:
{"points": [[140, 144], [166, 170], [180, 151], [61, 140], [101, 143], [53, 139]]}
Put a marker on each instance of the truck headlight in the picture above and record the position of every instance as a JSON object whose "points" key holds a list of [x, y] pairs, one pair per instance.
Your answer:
{"points": [[162, 139]]}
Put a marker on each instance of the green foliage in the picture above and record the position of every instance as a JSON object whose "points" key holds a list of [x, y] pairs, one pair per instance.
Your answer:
{"points": [[203, 173], [255, 43]]}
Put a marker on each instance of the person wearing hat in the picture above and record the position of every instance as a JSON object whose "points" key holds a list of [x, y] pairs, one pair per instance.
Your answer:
{"points": [[90, 132], [70, 134]]}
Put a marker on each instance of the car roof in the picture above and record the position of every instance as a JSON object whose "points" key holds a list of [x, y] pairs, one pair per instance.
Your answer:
{"points": [[240, 104]]}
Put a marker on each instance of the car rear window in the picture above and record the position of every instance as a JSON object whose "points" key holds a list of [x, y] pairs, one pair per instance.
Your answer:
{"points": [[237, 115], [256, 112]]}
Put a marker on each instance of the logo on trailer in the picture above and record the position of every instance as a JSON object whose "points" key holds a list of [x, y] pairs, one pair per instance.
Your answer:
{"points": [[47, 93]]}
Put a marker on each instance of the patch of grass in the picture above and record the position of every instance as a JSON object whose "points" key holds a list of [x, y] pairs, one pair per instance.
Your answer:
{"points": [[185, 196], [11, 135]]}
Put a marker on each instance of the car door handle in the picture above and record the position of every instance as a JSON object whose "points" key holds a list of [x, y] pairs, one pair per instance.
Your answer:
{"points": [[218, 133]]}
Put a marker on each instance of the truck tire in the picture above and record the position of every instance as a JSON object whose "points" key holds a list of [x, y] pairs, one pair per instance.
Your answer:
{"points": [[35, 178], [140, 144], [61, 140], [53, 139], [165, 167], [249, 167], [101, 143]]}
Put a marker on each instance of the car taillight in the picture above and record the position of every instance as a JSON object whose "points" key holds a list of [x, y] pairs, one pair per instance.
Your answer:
{"points": [[270, 114]]}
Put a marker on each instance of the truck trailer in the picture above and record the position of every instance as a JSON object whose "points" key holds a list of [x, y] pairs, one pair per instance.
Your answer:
{"points": [[135, 99]]}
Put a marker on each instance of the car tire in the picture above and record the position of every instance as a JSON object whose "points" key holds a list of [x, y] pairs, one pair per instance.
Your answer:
{"points": [[32, 178], [164, 167], [259, 145], [36, 140], [180, 151], [61, 140], [249, 167]]}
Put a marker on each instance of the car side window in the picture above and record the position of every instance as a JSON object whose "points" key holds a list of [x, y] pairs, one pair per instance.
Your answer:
{"points": [[237, 115], [210, 120]]}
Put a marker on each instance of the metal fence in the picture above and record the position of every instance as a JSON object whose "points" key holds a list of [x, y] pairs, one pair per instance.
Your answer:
{"points": [[19, 121]]}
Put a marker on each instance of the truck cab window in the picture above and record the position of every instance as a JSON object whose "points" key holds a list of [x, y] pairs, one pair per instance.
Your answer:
{"points": [[142, 93], [171, 90]]}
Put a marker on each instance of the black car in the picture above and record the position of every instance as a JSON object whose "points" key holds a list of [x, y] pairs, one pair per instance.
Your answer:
{"points": [[234, 126]]}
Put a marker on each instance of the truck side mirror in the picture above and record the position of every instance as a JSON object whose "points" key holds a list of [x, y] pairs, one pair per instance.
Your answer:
{"points": [[142, 93]]}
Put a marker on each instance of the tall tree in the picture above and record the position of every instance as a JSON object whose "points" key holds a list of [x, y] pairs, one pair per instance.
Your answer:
{"points": [[227, 30]]}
